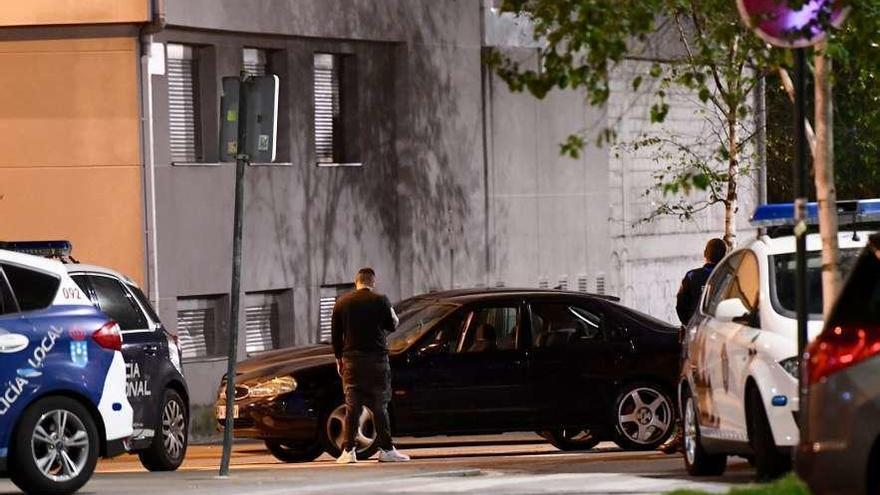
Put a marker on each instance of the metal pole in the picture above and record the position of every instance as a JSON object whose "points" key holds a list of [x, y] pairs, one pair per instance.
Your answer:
{"points": [[235, 295], [761, 135], [800, 229]]}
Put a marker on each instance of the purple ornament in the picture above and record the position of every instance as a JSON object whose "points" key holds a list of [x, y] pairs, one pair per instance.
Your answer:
{"points": [[783, 26]]}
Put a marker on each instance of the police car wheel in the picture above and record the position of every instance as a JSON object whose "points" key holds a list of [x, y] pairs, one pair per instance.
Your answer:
{"points": [[770, 463], [288, 451], [168, 448], [644, 416], [55, 447], [697, 461]]}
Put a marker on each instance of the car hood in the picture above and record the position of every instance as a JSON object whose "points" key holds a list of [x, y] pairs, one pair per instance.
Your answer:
{"points": [[284, 361]]}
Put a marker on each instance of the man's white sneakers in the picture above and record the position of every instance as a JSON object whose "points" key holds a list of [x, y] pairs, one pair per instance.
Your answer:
{"points": [[347, 457], [392, 455]]}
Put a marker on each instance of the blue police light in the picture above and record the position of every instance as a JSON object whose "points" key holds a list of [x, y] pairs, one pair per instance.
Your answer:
{"points": [[48, 249], [849, 212]]}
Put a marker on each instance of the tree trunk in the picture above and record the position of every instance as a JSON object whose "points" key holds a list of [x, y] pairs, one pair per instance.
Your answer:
{"points": [[789, 90], [730, 204], [826, 194]]}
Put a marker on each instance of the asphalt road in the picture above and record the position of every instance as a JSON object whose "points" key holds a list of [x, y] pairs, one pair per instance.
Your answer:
{"points": [[510, 464]]}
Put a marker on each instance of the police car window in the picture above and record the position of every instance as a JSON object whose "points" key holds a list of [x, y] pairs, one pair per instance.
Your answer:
{"points": [[114, 300], [7, 302], [745, 285], [719, 282], [142, 298], [33, 290]]}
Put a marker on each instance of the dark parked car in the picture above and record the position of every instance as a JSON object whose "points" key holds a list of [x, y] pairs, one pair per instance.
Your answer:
{"points": [[577, 368], [839, 451]]}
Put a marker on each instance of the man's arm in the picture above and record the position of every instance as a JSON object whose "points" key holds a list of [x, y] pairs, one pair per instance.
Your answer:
{"points": [[336, 331], [391, 319], [684, 304]]}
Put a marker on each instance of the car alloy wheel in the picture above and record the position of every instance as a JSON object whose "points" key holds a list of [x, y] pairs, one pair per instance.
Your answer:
{"points": [[690, 431], [644, 417], [174, 429], [335, 431], [60, 445]]}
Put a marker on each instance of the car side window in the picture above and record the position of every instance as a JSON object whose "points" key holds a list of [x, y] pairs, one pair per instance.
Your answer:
{"points": [[7, 302], [563, 325], [491, 328], [444, 337], [745, 285], [718, 283], [118, 303], [32, 289]]}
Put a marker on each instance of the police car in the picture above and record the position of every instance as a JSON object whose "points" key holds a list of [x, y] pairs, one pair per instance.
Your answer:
{"points": [[738, 393], [62, 378], [155, 385]]}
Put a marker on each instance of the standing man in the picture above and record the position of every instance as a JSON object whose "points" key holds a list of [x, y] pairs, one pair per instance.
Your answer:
{"points": [[693, 282], [360, 321], [686, 305]]}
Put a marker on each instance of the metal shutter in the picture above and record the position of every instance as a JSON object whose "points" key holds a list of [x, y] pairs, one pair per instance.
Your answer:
{"points": [[600, 284], [582, 283], [563, 283], [253, 61], [260, 325], [192, 325], [326, 312], [543, 283], [326, 100], [183, 112]]}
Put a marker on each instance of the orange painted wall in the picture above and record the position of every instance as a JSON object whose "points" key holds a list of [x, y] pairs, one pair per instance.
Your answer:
{"points": [[46, 12], [70, 140]]}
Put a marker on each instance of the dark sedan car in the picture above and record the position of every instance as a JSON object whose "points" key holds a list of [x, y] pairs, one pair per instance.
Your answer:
{"points": [[577, 368], [839, 450]]}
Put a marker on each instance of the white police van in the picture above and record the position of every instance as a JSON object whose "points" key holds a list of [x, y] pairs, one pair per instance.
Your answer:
{"points": [[62, 378], [738, 392]]}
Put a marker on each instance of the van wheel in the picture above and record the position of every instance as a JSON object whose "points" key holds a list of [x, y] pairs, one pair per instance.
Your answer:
{"points": [[55, 447], [332, 435], [769, 462], [697, 461], [168, 448], [287, 451], [643, 417]]}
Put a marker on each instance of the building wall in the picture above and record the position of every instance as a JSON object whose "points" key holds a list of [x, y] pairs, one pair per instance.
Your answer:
{"points": [[70, 130], [60, 12], [414, 209]]}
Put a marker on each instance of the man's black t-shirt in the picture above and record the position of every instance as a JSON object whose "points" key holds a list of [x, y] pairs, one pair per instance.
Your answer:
{"points": [[690, 291], [360, 321]]}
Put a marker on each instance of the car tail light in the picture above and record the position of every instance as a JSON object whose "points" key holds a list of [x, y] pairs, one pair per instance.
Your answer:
{"points": [[109, 336], [840, 347]]}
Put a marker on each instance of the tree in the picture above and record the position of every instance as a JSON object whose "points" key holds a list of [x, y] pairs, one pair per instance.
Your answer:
{"points": [[713, 55]]}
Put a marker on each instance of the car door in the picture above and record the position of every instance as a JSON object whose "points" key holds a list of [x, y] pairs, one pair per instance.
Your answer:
{"points": [[705, 347], [140, 346], [468, 376], [572, 365]]}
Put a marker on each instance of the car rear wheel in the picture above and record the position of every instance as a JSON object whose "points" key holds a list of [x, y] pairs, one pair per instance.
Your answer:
{"points": [[333, 434], [168, 448], [643, 417], [571, 439], [697, 461], [55, 447], [769, 462], [290, 451]]}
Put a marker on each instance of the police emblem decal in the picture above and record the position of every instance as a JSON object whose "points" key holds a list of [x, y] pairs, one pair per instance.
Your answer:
{"points": [[79, 353]]}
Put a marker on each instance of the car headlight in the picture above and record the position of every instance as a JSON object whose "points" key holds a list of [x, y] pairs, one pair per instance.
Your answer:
{"points": [[791, 365], [270, 388]]}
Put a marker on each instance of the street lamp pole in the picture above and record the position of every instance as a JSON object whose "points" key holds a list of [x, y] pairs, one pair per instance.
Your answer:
{"points": [[800, 176]]}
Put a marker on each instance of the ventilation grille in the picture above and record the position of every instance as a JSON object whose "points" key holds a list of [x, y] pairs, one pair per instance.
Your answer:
{"points": [[600, 284], [543, 283], [325, 319], [563, 283], [183, 111], [192, 326], [253, 62], [326, 105], [582, 283], [261, 323]]}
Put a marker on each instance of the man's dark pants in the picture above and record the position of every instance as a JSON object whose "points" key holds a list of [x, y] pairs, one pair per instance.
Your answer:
{"points": [[366, 381]]}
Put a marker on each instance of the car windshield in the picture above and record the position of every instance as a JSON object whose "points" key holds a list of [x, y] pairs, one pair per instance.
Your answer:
{"points": [[784, 268], [414, 322]]}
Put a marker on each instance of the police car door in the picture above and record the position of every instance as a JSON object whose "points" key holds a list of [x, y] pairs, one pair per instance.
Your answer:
{"points": [[139, 346]]}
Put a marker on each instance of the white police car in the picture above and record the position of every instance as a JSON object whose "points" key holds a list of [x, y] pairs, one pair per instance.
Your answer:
{"points": [[62, 378], [738, 393]]}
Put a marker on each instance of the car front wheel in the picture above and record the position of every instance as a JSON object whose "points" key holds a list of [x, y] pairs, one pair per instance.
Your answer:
{"points": [[55, 447], [571, 439], [333, 435], [168, 448], [289, 451], [643, 417], [697, 461]]}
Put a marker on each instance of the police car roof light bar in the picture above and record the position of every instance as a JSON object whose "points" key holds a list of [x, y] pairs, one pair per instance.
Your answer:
{"points": [[849, 212], [59, 249]]}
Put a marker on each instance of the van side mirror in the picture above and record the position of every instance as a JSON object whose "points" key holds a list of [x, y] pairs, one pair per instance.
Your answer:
{"points": [[731, 309]]}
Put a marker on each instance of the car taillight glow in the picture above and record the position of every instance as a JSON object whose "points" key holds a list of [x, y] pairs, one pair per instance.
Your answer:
{"points": [[840, 348], [109, 336]]}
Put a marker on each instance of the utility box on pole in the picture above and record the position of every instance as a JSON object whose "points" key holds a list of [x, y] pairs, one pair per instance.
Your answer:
{"points": [[261, 120]]}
